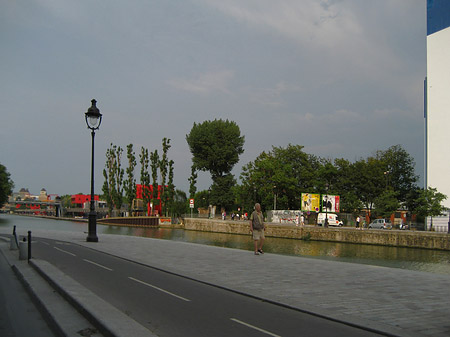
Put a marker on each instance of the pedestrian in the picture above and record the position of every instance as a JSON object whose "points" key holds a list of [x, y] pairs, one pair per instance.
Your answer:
{"points": [[257, 228], [302, 220], [358, 219]]}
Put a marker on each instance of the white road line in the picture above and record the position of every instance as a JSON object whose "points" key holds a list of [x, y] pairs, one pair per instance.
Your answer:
{"points": [[45, 243], [157, 288], [98, 265], [64, 251], [255, 327]]}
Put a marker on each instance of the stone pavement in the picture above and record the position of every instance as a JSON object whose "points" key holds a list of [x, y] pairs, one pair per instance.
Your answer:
{"points": [[392, 301]]}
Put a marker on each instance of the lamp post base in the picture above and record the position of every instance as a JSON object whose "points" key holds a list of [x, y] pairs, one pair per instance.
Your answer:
{"points": [[92, 238], [92, 228]]}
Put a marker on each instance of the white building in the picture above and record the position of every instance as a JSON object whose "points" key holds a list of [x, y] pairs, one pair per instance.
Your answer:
{"points": [[437, 104], [437, 98]]}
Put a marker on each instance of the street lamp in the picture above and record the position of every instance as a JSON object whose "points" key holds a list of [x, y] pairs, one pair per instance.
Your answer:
{"points": [[93, 121], [209, 206]]}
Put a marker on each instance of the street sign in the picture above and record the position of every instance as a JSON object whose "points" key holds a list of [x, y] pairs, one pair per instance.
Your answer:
{"points": [[191, 203]]}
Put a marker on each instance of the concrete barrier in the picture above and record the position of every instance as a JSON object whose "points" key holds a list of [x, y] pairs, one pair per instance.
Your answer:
{"points": [[395, 238]]}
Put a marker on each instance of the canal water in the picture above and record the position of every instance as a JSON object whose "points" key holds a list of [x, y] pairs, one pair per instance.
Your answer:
{"points": [[407, 258]]}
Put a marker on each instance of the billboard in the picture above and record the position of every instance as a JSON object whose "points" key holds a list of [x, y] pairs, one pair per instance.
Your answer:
{"points": [[310, 202], [330, 203]]}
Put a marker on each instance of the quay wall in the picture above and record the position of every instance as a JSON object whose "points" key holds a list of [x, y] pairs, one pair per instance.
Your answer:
{"points": [[395, 238]]}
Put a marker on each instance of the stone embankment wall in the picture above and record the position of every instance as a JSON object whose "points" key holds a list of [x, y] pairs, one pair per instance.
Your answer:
{"points": [[397, 238]]}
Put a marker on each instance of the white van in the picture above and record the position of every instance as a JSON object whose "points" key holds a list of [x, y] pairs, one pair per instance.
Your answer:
{"points": [[332, 219]]}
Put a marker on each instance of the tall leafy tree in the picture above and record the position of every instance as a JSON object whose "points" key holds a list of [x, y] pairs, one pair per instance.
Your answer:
{"points": [[163, 167], [180, 205], [399, 170], [154, 158], [170, 189], [369, 181], [130, 182], [192, 181], [113, 174], [6, 185], [145, 178], [216, 146], [429, 203], [387, 203], [283, 173], [346, 188]]}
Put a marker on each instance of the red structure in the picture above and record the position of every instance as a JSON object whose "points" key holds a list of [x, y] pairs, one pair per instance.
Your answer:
{"points": [[154, 209], [78, 200]]}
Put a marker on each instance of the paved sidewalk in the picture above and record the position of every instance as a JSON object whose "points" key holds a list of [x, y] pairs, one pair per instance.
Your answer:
{"points": [[394, 301]]}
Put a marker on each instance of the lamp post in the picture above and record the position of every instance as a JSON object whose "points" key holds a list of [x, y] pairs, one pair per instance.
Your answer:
{"points": [[93, 120], [209, 206]]}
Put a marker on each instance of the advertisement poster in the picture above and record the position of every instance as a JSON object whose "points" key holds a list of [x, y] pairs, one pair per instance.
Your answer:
{"points": [[330, 203], [310, 202]]}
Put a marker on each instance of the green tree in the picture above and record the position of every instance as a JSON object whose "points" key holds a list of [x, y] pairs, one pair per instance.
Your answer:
{"points": [[154, 158], [216, 147], [163, 167], [346, 187], [66, 200], [180, 204], [192, 181], [387, 203], [399, 170], [283, 173], [6, 185], [171, 189], [369, 181], [113, 174], [429, 203], [202, 199], [145, 179], [130, 182]]}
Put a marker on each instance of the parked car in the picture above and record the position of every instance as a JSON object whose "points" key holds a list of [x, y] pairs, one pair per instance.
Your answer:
{"points": [[381, 224], [332, 219]]}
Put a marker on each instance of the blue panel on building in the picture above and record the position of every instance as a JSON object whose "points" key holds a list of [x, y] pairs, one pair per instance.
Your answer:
{"points": [[438, 15]]}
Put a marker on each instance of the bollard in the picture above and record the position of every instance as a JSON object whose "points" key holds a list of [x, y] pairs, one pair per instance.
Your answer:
{"points": [[29, 245], [13, 244], [23, 249]]}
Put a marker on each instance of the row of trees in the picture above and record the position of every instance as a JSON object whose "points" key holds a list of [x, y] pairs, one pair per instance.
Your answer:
{"points": [[119, 189], [381, 183]]}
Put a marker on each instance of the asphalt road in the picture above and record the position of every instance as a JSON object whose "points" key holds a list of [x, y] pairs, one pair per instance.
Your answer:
{"points": [[170, 305], [18, 315]]}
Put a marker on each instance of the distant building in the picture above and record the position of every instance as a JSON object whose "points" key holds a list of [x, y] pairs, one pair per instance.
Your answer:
{"points": [[24, 193], [43, 195], [79, 200], [152, 208]]}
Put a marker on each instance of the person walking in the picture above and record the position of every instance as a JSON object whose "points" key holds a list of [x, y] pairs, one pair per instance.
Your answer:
{"points": [[358, 220], [257, 228]]}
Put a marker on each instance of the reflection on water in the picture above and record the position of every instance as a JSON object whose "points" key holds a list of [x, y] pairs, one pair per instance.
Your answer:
{"points": [[407, 258]]}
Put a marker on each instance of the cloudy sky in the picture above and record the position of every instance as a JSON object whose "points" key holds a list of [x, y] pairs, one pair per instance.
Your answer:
{"points": [[343, 78]]}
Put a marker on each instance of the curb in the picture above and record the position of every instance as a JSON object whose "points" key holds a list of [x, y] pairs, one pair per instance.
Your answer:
{"points": [[110, 321]]}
